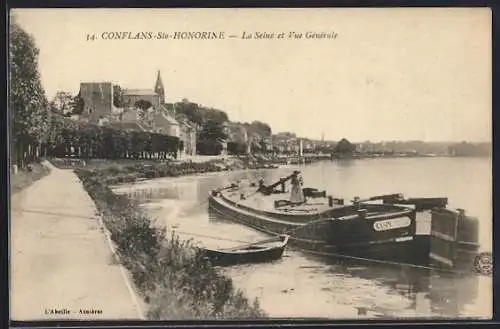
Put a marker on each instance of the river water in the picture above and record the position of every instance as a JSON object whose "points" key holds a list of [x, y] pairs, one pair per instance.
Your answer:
{"points": [[301, 285]]}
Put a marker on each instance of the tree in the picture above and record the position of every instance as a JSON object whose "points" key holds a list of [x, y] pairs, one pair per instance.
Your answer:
{"points": [[190, 110], [62, 103], [77, 104], [344, 147], [211, 114], [260, 128], [212, 131], [143, 104], [117, 96], [28, 103]]}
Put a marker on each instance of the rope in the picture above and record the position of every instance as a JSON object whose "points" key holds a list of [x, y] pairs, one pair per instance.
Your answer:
{"points": [[211, 237]]}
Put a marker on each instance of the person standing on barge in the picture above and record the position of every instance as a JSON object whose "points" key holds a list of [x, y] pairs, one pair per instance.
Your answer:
{"points": [[296, 194]]}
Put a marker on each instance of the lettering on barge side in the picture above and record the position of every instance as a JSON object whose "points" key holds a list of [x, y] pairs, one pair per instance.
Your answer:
{"points": [[391, 224]]}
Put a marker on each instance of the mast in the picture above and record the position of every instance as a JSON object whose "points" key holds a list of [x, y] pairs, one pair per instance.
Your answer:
{"points": [[302, 160]]}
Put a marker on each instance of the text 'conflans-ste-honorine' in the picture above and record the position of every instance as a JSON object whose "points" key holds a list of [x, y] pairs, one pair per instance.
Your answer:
{"points": [[208, 35]]}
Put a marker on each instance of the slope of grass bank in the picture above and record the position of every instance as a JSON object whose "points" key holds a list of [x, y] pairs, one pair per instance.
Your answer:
{"points": [[173, 278], [115, 172], [27, 176]]}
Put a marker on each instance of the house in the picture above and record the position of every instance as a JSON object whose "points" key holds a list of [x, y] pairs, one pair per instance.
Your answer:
{"points": [[165, 124], [188, 136], [130, 115]]}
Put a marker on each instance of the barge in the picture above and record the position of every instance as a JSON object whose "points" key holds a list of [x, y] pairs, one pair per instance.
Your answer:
{"points": [[382, 228]]}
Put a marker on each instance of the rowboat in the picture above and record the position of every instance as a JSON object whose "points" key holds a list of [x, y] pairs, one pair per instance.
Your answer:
{"points": [[257, 252], [382, 227]]}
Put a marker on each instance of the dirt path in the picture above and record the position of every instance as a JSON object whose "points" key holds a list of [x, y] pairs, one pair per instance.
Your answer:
{"points": [[62, 265]]}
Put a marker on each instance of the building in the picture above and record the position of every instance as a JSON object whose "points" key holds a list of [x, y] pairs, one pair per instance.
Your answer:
{"points": [[187, 135], [165, 124], [97, 100], [155, 97], [159, 89], [132, 96]]}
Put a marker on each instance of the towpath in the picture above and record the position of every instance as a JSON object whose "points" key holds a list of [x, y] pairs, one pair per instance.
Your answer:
{"points": [[62, 264]]}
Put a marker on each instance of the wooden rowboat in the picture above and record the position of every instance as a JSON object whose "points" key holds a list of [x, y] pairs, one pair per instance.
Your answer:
{"points": [[258, 252]]}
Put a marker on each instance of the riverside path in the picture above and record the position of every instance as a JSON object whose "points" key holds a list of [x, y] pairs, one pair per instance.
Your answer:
{"points": [[62, 265]]}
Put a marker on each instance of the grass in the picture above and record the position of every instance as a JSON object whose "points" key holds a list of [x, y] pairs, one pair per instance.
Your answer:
{"points": [[174, 280], [113, 172], [27, 176]]}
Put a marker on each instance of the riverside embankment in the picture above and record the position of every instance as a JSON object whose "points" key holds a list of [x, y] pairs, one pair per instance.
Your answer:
{"points": [[128, 171]]}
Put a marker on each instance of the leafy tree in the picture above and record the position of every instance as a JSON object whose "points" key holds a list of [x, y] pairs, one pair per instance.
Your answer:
{"points": [[28, 104], [190, 110], [143, 104], [344, 147], [117, 96], [211, 114], [260, 128], [212, 131], [77, 104], [62, 102]]}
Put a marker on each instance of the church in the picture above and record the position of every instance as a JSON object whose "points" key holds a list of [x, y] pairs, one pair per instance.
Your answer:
{"points": [[155, 97]]}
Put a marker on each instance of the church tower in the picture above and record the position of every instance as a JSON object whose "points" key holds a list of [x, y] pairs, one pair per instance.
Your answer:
{"points": [[159, 89]]}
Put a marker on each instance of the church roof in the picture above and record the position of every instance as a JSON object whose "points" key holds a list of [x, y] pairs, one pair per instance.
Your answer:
{"points": [[139, 92], [159, 84]]}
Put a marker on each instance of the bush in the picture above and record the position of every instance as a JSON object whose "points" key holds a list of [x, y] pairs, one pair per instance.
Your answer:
{"points": [[178, 282]]}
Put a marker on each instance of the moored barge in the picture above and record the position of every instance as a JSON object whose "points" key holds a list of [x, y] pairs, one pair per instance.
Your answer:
{"points": [[380, 228]]}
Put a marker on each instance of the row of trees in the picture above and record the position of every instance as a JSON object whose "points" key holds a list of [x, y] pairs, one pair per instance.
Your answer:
{"points": [[69, 138], [470, 149]]}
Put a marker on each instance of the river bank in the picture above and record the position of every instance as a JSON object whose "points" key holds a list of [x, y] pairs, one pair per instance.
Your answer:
{"points": [[113, 172], [175, 282]]}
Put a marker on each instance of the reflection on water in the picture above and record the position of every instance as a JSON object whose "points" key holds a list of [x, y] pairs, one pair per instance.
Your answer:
{"points": [[301, 285]]}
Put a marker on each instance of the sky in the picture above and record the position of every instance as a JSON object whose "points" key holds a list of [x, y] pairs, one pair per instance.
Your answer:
{"points": [[390, 74]]}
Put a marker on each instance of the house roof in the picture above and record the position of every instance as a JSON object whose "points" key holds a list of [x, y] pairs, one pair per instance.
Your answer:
{"points": [[139, 92], [127, 126], [169, 119]]}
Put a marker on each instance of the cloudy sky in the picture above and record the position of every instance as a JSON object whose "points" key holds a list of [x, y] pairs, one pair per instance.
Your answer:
{"points": [[390, 74]]}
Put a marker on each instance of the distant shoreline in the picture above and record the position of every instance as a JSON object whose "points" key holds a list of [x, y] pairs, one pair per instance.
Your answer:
{"points": [[125, 171]]}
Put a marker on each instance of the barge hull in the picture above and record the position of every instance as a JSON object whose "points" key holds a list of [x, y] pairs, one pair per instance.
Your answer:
{"points": [[412, 249]]}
